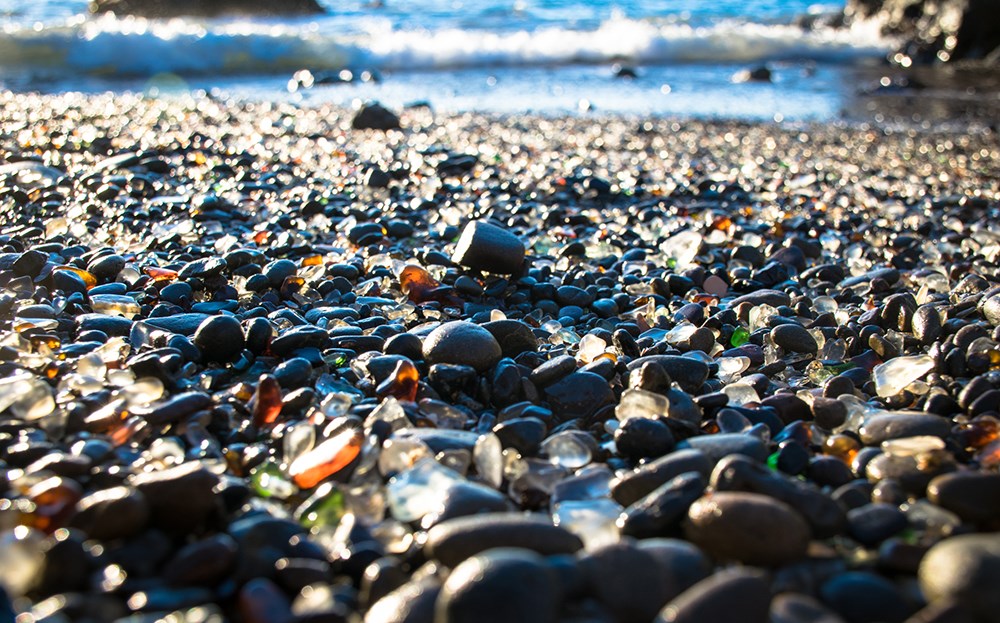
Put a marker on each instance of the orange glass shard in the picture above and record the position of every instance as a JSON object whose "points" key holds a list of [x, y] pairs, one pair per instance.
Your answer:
{"points": [[312, 260], [260, 237], [55, 500], [291, 285], [160, 274], [267, 402], [326, 459], [402, 383], [977, 433], [88, 279], [842, 447], [417, 284]]}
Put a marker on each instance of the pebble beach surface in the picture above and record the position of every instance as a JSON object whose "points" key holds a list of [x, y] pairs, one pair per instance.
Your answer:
{"points": [[270, 363]]}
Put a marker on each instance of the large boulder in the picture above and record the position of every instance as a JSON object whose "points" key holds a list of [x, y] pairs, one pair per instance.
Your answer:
{"points": [[205, 8], [937, 30]]}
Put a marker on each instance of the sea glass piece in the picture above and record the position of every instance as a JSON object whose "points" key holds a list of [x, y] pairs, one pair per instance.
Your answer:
{"points": [[326, 459], [894, 375]]}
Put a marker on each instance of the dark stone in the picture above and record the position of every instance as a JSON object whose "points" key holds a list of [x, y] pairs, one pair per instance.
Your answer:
{"points": [[374, 116], [973, 496], [514, 336], [486, 247], [799, 608], [721, 445], [631, 487], [219, 338], [660, 512], [748, 527], [115, 513], [204, 562], [729, 596], [879, 428], [579, 395], [454, 540], [180, 497], [738, 473], [627, 580], [499, 586], [964, 569], [412, 602], [182, 324], [687, 372], [524, 434], [462, 343], [794, 338], [640, 437], [862, 597], [873, 523]]}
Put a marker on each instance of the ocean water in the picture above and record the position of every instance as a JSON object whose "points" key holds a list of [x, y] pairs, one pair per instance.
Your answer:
{"points": [[492, 55]]}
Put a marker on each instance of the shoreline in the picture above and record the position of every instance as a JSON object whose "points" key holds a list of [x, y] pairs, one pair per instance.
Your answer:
{"points": [[263, 363]]}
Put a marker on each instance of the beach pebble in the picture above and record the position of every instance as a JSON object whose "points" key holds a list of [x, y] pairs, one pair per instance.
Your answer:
{"points": [[728, 596], [578, 395], [455, 540], [374, 116], [219, 338], [114, 513], [486, 247], [499, 585], [973, 496], [963, 570], [794, 338], [747, 527], [462, 343]]}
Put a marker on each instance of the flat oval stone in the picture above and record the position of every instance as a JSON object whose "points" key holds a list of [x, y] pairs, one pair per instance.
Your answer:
{"points": [[114, 513], [794, 338], [219, 338], [729, 596], [738, 473], [514, 336], [863, 596], [964, 569], [499, 586], [627, 580], [182, 324], [879, 428], [720, 445], [687, 372], [632, 486], [578, 395], [751, 528], [454, 540], [973, 496], [462, 343], [412, 602], [181, 497], [661, 511], [484, 246], [106, 267]]}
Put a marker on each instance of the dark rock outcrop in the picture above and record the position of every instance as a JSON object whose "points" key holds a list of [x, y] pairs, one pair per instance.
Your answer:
{"points": [[205, 8], [937, 31]]}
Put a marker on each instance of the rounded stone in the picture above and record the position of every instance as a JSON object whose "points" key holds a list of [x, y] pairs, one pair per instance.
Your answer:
{"points": [[220, 339], [729, 596], [106, 267], [113, 513], [964, 569], [794, 338], [462, 343], [499, 585], [862, 597], [484, 246], [748, 527], [640, 437], [973, 496]]}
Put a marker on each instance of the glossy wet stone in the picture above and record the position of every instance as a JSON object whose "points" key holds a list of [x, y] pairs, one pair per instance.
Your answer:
{"points": [[735, 595], [455, 540], [973, 496], [462, 343], [747, 527], [484, 246], [499, 585], [578, 395]]}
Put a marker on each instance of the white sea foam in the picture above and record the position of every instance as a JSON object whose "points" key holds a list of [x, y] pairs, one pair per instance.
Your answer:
{"points": [[110, 47]]}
